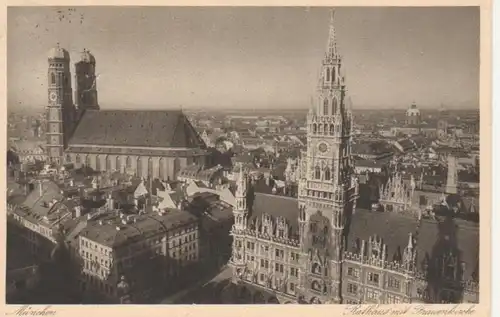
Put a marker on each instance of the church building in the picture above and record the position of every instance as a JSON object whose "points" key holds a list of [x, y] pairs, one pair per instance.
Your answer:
{"points": [[154, 143]]}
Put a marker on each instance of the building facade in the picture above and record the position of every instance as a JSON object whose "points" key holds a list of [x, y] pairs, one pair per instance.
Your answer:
{"points": [[149, 251], [320, 249]]}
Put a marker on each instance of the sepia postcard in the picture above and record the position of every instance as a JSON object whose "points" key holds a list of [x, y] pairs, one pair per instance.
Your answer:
{"points": [[199, 159]]}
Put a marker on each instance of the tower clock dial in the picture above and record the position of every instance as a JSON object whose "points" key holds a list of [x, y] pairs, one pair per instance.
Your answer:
{"points": [[323, 147], [53, 96]]}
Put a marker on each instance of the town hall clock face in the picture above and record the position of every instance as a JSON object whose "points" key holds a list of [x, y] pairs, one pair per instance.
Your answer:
{"points": [[53, 96], [323, 147]]}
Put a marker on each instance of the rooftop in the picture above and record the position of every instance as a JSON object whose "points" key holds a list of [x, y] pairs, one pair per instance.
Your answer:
{"points": [[150, 128], [144, 225]]}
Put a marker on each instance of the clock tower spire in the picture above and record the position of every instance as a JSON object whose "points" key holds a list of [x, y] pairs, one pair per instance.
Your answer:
{"points": [[327, 188], [60, 109]]}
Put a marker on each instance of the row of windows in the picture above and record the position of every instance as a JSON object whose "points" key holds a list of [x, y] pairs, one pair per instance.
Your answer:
{"points": [[118, 163], [187, 239], [392, 282], [279, 253], [326, 129], [290, 289], [187, 248], [372, 295], [319, 194], [94, 246], [96, 268]]}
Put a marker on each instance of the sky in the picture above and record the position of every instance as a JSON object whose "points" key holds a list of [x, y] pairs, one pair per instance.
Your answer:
{"points": [[253, 57]]}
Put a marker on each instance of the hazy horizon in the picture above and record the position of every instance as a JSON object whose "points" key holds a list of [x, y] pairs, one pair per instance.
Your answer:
{"points": [[269, 57]]}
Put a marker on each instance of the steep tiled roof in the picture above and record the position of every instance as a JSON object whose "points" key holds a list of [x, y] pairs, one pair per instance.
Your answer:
{"points": [[392, 228], [168, 128], [277, 206]]}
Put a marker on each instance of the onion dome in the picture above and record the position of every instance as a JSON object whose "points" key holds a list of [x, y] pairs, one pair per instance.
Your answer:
{"points": [[58, 53], [87, 57]]}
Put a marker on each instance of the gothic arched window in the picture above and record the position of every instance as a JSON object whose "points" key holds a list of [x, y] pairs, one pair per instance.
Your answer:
{"points": [[52, 78], [139, 166], [98, 163], [87, 160], [327, 74], [316, 268], [325, 129], [332, 129], [327, 174], [68, 158], [118, 164], [333, 74], [150, 167], [334, 105], [317, 172], [314, 128], [162, 168], [128, 162], [78, 159], [325, 107], [108, 163]]}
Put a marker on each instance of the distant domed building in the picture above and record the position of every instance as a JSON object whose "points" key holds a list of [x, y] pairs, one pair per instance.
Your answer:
{"points": [[413, 124], [413, 116]]}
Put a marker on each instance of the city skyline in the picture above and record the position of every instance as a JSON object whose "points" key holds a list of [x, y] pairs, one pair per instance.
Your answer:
{"points": [[262, 57]]}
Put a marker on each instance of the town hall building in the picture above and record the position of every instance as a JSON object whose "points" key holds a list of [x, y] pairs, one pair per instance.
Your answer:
{"points": [[319, 248]]}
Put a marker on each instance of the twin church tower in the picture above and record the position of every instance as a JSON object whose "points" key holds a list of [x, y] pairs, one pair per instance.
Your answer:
{"points": [[64, 111]]}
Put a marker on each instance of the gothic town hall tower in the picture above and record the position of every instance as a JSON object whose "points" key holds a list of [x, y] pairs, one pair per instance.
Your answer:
{"points": [[327, 186]]}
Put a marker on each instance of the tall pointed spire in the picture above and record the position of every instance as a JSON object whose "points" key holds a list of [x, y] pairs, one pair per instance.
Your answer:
{"points": [[410, 241], [332, 38]]}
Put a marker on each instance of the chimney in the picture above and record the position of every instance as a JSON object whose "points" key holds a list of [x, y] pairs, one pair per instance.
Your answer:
{"points": [[78, 211]]}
